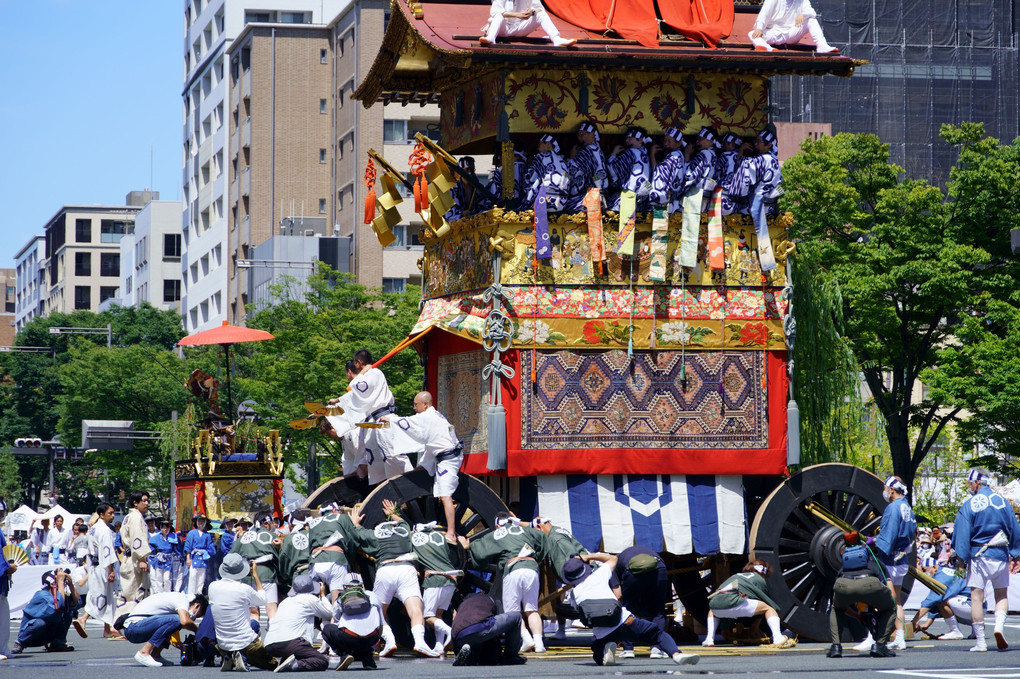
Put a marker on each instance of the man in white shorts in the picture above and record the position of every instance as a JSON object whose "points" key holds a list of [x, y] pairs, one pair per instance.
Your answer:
{"points": [[986, 536], [331, 538], [436, 558], [517, 550], [443, 456], [396, 575]]}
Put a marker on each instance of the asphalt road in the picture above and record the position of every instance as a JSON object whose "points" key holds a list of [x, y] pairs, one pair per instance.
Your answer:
{"points": [[97, 658]]}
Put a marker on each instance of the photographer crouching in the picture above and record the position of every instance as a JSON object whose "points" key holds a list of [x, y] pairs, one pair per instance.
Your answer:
{"points": [[47, 616]]}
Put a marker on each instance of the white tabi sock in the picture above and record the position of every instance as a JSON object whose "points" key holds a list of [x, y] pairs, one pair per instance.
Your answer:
{"points": [[442, 632], [979, 631], [418, 632], [777, 634], [1000, 620], [898, 637], [710, 628], [387, 635], [954, 626]]}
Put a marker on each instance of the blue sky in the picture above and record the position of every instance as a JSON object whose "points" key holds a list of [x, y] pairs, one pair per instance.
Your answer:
{"points": [[91, 91]]}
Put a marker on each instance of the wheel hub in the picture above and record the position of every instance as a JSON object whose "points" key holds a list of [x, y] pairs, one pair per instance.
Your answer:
{"points": [[825, 551]]}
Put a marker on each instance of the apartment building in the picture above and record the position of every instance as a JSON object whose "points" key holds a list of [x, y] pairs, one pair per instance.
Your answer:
{"points": [[150, 257], [8, 279], [30, 281], [82, 256], [210, 26]]}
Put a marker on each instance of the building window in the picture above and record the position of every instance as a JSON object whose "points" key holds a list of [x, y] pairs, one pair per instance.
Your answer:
{"points": [[295, 18], [82, 297], [257, 18], [111, 230], [322, 206], [430, 130], [83, 264], [172, 290], [171, 246], [83, 231], [107, 292], [322, 56], [109, 264], [322, 105], [322, 155], [394, 131], [394, 284]]}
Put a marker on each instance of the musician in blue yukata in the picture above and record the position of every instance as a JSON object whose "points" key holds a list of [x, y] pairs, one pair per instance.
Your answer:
{"points": [[668, 175], [986, 536], [630, 169], [587, 166], [727, 164], [467, 199], [495, 185], [548, 169], [761, 176], [699, 178], [893, 545], [162, 546], [199, 549]]}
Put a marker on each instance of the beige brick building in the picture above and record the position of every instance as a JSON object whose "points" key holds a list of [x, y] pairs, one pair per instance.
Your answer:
{"points": [[82, 266], [8, 279], [298, 145]]}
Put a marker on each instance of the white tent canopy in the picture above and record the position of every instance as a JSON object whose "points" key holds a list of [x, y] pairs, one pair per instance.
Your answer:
{"points": [[20, 519], [69, 517]]}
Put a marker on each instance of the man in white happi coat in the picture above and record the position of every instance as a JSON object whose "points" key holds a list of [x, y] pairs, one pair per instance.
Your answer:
{"points": [[784, 22], [517, 18], [134, 535], [368, 400], [101, 602], [443, 456]]}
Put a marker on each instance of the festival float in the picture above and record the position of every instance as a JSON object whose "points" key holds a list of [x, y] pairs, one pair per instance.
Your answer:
{"points": [[630, 399]]}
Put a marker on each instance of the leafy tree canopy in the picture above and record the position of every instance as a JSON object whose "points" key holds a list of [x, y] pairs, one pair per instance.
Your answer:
{"points": [[914, 266]]}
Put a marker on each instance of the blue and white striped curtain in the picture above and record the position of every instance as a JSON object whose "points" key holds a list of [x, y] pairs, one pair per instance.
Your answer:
{"points": [[673, 513]]}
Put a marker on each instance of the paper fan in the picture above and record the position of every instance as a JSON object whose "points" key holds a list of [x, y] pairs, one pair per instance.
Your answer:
{"points": [[16, 554]]}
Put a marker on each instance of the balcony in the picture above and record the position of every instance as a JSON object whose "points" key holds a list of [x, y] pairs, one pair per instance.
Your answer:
{"points": [[205, 152], [205, 194], [246, 133], [245, 231], [234, 187], [233, 144], [246, 84], [246, 181]]}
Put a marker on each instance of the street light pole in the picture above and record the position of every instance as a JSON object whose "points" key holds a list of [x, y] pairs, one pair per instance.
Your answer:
{"points": [[108, 331]]}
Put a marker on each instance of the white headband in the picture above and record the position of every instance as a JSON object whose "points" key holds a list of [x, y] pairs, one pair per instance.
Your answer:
{"points": [[538, 521], [979, 476], [503, 521], [419, 527], [760, 568], [896, 484]]}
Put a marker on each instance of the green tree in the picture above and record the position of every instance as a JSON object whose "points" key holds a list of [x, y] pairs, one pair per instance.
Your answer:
{"points": [[911, 262], [123, 383], [315, 337], [31, 389]]}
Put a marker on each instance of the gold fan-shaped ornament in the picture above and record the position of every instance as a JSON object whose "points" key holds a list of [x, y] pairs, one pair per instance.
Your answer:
{"points": [[315, 411], [15, 554]]}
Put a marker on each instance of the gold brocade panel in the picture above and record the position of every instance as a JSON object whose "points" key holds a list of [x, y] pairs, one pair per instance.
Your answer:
{"points": [[233, 497], [545, 101], [558, 100], [461, 261]]}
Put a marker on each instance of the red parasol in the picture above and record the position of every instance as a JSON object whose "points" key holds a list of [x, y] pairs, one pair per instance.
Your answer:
{"points": [[225, 335]]}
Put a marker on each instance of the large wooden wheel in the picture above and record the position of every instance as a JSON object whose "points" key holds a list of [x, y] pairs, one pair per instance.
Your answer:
{"points": [[477, 506], [804, 550]]}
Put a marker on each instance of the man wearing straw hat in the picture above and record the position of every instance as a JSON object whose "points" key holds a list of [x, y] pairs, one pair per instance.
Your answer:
{"points": [[986, 536]]}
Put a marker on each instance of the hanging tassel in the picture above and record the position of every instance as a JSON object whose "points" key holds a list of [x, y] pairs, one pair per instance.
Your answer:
{"points": [[508, 169], [370, 196], [419, 159], [496, 420]]}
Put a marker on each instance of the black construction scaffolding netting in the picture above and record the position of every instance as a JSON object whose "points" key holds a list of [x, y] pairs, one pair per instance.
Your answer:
{"points": [[931, 62]]}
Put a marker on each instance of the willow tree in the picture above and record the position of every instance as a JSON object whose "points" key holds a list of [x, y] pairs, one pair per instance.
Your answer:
{"points": [[911, 262]]}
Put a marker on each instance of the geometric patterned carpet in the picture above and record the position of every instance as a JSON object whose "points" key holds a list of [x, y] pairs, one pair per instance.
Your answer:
{"points": [[463, 397], [606, 399]]}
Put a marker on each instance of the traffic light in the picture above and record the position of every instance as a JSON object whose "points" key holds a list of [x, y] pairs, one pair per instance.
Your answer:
{"points": [[441, 182], [30, 442], [386, 207]]}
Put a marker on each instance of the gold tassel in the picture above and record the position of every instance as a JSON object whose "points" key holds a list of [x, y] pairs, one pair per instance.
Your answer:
{"points": [[508, 170]]}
